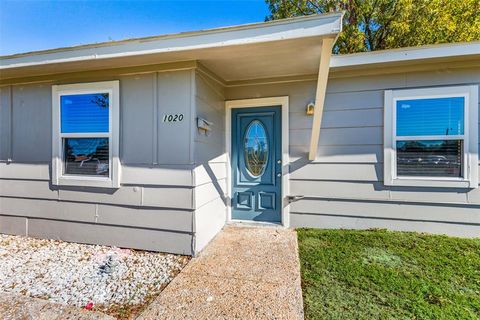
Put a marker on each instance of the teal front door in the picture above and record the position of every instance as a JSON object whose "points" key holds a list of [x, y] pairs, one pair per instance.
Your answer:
{"points": [[256, 164]]}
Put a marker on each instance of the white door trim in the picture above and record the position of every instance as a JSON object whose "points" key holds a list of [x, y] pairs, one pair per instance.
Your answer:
{"points": [[260, 102]]}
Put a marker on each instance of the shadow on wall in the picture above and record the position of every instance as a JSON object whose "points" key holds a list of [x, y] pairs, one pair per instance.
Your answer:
{"points": [[215, 183], [376, 181]]}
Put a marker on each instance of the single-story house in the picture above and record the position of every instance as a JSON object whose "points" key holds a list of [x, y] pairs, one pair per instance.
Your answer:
{"points": [[157, 143]]}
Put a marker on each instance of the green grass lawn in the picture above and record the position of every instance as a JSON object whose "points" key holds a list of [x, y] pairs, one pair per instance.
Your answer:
{"points": [[377, 274]]}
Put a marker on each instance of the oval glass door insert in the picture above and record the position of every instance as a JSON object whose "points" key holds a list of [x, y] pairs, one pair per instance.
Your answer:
{"points": [[256, 148]]}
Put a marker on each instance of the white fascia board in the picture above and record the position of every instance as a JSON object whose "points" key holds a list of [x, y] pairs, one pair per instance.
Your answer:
{"points": [[406, 54], [309, 26]]}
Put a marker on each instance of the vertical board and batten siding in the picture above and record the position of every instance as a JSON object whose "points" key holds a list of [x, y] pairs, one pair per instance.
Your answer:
{"points": [[153, 208], [343, 187], [5, 120], [210, 162]]}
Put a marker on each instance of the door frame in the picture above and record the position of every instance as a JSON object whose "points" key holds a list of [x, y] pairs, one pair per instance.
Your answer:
{"points": [[282, 102]]}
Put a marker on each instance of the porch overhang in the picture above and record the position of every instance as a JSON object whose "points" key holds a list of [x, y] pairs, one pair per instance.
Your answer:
{"points": [[262, 50]]}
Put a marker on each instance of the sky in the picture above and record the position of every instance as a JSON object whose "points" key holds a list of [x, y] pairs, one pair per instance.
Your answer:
{"points": [[37, 25]]}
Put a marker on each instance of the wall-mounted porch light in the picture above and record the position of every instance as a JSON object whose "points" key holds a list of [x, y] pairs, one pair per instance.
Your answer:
{"points": [[310, 108]]}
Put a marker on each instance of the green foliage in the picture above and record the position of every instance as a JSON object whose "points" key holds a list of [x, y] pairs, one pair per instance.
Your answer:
{"points": [[377, 274], [370, 25]]}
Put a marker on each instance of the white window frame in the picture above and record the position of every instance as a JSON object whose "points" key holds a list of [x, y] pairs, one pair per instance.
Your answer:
{"points": [[60, 179], [469, 177]]}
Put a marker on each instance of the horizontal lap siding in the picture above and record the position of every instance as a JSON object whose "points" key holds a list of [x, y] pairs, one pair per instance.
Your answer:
{"points": [[210, 162], [343, 186], [120, 236], [155, 199], [25, 171], [160, 175], [302, 170], [164, 175], [210, 191], [209, 172], [13, 225], [340, 136], [174, 197], [340, 154], [210, 219], [339, 189], [340, 119], [141, 217], [388, 210], [355, 222]]}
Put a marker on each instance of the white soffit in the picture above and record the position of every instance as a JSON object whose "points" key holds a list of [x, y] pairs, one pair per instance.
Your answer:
{"points": [[276, 48]]}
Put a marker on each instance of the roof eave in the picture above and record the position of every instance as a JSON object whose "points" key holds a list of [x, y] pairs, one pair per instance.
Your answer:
{"points": [[302, 27], [405, 56]]}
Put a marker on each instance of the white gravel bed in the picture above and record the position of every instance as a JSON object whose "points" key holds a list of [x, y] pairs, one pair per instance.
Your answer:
{"points": [[80, 274]]}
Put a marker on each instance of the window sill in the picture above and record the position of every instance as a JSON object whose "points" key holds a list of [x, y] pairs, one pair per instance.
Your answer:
{"points": [[87, 182], [435, 183]]}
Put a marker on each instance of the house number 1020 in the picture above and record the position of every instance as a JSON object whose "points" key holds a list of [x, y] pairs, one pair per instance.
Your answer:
{"points": [[173, 117]]}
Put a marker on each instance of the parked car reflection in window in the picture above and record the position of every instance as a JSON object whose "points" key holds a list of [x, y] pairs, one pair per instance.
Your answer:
{"points": [[86, 156]]}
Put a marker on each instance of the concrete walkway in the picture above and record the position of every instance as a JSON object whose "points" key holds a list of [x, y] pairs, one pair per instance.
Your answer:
{"points": [[245, 273]]}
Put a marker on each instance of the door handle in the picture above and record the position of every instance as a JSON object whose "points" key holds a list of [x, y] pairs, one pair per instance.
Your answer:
{"points": [[279, 175]]}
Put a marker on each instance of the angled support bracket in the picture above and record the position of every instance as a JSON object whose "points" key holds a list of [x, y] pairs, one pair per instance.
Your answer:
{"points": [[327, 46]]}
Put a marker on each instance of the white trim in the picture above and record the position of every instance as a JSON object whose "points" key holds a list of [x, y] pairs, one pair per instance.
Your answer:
{"points": [[86, 134], [321, 92], [261, 102], [292, 28], [449, 50], [110, 87], [470, 137]]}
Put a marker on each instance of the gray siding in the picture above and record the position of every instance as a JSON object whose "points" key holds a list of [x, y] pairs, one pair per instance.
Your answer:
{"points": [[174, 178], [31, 123], [343, 187], [153, 208], [210, 162], [5, 120]]}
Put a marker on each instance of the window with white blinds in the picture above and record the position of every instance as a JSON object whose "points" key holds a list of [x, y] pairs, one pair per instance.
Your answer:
{"points": [[431, 137], [85, 128], [86, 117]]}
